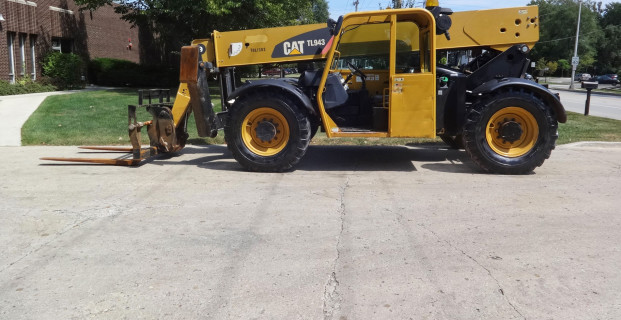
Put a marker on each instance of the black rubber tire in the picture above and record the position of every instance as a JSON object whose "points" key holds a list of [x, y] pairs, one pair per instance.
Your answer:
{"points": [[455, 142], [299, 132], [485, 157]]}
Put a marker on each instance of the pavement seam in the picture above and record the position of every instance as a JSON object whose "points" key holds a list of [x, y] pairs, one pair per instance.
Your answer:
{"points": [[331, 296], [502, 292]]}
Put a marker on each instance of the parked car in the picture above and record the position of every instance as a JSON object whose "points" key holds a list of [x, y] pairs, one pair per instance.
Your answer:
{"points": [[606, 79], [528, 76], [613, 76], [582, 77]]}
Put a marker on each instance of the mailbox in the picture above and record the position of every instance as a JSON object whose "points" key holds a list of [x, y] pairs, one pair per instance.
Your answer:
{"points": [[589, 85]]}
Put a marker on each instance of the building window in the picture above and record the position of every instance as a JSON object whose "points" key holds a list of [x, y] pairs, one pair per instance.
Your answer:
{"points": [[22, 54], [56, 44], [10, 37], [62, 45], [33, 58]]}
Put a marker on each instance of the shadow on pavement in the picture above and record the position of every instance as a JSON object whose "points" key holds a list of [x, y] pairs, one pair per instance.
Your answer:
{"points": [[342, 158]]}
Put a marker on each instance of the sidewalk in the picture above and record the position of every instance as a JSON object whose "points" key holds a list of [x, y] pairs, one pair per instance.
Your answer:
{"points": [[15, 110]]}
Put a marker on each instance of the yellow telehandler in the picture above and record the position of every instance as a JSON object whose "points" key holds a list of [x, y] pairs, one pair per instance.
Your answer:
{"points": [[369, 74]]}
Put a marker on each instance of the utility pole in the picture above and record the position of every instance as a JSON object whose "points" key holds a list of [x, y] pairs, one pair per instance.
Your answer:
{"points": [[356, 3], [575, 60]]}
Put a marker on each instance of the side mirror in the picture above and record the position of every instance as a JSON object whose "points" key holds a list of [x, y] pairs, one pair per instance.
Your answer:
{"points": [[331, 24], [443, 21], [335, 26]]}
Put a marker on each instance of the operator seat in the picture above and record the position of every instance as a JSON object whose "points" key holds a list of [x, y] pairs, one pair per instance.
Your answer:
{"points": [[335, 94]]}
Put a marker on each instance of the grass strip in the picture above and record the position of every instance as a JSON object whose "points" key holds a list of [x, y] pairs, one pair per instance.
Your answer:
{"points": [[100, 118]]}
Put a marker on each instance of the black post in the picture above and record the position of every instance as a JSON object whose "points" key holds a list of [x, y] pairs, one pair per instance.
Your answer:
{"points": [[588, 102], [588, 85]]}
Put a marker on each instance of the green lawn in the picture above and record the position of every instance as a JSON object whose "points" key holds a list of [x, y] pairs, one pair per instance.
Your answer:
{"points": [[588, 128], [100, 118], [92, 118]]}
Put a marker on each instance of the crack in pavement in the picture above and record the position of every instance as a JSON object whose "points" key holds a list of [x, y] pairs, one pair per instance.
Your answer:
{"points": [[331, 296], [115, 211], [479, 264], [42, 245]]}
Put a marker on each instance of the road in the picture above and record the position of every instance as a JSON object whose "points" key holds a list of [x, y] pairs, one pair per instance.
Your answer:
{"points": [[354, 233], [601, 105]]}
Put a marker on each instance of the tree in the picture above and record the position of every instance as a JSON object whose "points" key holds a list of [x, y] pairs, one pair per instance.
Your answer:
{"points": [[545, 67], [398, 4], [609, 52], [551, 67], [585, 64], [612, 14], [558, 20], [320, 11], [564, 65], [540, 66]]}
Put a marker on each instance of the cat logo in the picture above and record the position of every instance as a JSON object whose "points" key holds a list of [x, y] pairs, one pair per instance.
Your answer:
{"points": [[293, 48]]}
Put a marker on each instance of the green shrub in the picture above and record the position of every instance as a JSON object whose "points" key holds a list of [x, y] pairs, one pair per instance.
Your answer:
{"points": [[7, 89], [64, 69], [122, 73], [23, 86]]}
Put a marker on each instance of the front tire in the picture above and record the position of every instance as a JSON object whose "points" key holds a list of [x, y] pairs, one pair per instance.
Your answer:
{"points": [[510, 132], [267, 132]]}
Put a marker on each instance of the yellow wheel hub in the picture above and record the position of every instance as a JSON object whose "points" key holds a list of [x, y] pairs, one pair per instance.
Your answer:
{"points": [[265, 131], [512, 132]]}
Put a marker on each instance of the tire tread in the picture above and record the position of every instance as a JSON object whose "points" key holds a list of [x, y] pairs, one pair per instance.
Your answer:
{"points": [[534, 159]]}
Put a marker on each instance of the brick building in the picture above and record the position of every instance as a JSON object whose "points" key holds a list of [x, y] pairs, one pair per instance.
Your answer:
{"points": [[30, 29]]}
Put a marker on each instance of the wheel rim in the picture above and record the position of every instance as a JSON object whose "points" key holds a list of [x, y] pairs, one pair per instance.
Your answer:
{"points": [[265, 131], [512, 132]]}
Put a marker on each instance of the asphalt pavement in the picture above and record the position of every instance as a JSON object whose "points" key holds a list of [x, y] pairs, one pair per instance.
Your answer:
{"points": [[601, 105], [403, 232]]}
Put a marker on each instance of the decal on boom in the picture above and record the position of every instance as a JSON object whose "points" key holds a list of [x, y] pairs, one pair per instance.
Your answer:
{"points": [[309, 43]]}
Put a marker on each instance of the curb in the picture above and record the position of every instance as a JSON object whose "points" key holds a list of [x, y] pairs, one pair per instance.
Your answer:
{"points": [[590, 144]]}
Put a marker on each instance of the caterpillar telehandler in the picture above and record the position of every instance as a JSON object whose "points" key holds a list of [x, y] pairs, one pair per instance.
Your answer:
{"points": [[369, 74]]}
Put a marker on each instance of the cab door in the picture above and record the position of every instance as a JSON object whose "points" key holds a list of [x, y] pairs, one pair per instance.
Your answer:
{"points": [[412, 84]]}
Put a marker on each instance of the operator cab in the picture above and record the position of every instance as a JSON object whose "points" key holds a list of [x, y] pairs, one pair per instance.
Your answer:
{"points": [[380, 75]]}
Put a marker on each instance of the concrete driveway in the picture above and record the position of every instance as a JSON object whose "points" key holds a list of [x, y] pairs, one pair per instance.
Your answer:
{"points": [[354, 233]]}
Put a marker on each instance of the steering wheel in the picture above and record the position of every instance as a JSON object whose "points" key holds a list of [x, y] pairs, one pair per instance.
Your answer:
{"points": [[355, 71]]}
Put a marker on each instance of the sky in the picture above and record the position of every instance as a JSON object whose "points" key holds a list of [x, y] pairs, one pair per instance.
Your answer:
{"points": [[341, 7]]}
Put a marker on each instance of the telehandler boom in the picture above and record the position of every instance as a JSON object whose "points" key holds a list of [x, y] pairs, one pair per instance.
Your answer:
{"points": [[369, 74]]}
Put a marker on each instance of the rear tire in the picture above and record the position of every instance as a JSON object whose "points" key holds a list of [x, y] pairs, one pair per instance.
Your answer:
{"points": [[510, 132], [267, 132]]}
